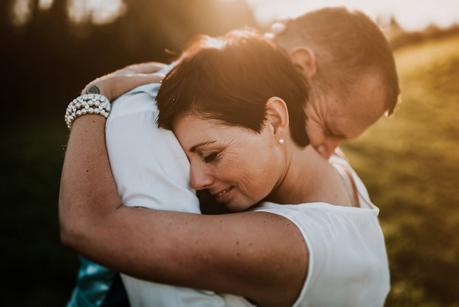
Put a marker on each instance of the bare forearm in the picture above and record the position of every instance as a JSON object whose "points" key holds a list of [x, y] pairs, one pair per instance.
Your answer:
{"points": [[257, 255], [87, 183], [88, 190], [236, 253]]}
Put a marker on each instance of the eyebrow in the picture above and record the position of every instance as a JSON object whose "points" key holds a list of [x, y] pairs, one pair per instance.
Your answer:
{"points": [[194, 147]]}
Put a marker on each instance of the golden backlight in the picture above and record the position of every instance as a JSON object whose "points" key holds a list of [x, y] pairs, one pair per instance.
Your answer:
{"points": [[411, 14]]}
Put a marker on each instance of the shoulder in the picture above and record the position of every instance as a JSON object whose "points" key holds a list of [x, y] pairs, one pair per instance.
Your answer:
{"points": [[141, 99], [344, 167], [346, 250]]}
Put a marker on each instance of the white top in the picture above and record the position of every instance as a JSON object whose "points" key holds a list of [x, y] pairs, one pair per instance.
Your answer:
{"points": [[151, 170], [347, 256]]}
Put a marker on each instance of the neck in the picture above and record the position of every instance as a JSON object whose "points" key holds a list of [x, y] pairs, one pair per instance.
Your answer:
{"points": [[309, 178]]}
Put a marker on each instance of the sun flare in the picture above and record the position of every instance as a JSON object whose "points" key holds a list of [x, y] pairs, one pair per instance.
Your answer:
{"points": [[411, 14]]}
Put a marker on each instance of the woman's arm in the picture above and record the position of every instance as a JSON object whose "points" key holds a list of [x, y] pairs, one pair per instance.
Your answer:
{"points": [[257, 255]]}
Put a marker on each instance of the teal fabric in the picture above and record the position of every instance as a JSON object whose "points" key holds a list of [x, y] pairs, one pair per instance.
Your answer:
{"points": [[93, 283]]}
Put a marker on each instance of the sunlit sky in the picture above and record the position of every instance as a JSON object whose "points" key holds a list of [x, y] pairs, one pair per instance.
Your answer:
{"points": [[97, 11], [411, 14]]}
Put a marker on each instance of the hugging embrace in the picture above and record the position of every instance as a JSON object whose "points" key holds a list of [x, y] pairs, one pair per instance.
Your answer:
{"points": [[253, 123]]}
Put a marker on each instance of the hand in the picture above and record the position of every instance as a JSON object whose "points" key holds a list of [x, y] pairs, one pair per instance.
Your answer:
{"points": [[117, 83]]}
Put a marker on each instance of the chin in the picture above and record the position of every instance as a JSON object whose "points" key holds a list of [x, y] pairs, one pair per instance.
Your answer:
{"points": [[239, 205], [235, 207]]}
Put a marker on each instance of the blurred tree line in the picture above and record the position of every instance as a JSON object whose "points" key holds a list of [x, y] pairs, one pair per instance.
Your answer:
{"points": [[48, 59], [400, 38], [45, 62]]}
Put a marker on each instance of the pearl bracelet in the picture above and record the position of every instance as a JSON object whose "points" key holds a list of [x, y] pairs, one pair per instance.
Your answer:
{"points": [[87, 104]]}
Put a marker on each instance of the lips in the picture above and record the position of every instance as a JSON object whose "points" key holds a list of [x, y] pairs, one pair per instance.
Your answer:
{"points": [[222, 195]]}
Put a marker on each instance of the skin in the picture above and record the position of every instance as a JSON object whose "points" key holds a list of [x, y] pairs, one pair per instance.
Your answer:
{"points": [[256, 255], [117, 83], [335, 116], [213, 150]]}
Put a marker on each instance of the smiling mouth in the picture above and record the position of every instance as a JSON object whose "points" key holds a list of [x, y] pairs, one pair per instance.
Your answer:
{"points": [[219, 196]]}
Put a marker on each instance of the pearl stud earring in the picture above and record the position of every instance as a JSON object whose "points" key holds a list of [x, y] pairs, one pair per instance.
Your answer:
{"points": [[281, 141]]}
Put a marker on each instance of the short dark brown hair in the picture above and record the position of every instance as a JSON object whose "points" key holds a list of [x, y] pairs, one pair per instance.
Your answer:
{"points": [[347, 45], [230, 78]]}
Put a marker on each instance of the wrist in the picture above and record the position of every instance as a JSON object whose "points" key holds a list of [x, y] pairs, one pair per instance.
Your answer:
{"points": [[90, 121], [86, 104], [96, 87]]}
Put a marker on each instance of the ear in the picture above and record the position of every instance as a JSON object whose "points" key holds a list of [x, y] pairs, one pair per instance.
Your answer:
{"points": [[277, 117], [305, 59]]}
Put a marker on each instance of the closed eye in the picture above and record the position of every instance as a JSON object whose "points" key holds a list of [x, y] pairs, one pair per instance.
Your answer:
{"points": [[211, 157]]}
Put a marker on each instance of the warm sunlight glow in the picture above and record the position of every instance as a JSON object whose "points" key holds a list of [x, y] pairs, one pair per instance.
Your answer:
{"points": [[45, 4], [97, 11], [411, 14], [21, 11]]}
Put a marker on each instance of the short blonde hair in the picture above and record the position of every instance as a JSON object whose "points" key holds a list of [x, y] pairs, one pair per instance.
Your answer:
{"points": [[347, 44]]}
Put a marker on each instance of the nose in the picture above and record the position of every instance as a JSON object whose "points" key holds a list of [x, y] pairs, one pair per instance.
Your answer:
{"points": [[200, 178]]}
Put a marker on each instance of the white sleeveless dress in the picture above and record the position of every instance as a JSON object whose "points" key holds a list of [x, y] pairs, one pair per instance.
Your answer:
{"points": [[347, 265], [347, 255]]}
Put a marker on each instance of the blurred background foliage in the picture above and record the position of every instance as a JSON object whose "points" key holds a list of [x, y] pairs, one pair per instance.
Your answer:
{"points": [[410, 162]]}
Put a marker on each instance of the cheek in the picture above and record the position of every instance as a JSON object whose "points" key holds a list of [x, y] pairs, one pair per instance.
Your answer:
{"points": [[258, 174]]}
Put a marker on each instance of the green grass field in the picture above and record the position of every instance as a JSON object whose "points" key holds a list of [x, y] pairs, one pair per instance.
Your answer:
{"points": [[410, 163]]}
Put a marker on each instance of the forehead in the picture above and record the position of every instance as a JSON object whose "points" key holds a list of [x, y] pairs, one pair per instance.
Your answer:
{"points": [[191, 129], [192, 120]]}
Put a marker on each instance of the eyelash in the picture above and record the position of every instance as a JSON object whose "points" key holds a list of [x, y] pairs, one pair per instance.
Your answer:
{"points": [[213, 157]]}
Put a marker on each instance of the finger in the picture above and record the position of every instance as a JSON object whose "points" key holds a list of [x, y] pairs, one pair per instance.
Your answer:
{"points": [[141, 79], [146, 68], [149, 78], [129, 82]]}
